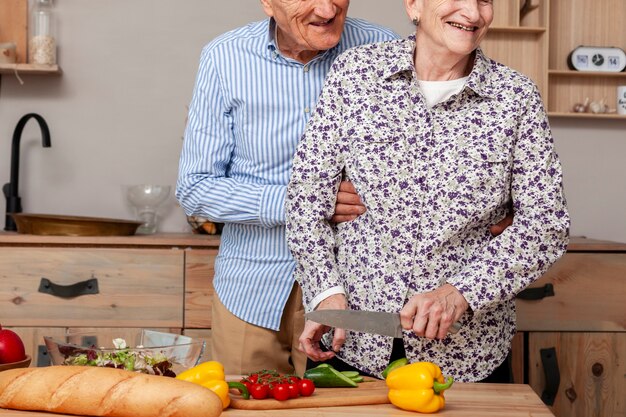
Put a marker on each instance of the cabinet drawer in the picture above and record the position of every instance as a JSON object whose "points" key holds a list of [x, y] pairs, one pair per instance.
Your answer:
{"points": [[589, 294], [136, 288], [591, 368], [199, 272]]}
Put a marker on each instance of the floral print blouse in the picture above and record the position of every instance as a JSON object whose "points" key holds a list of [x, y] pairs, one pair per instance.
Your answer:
{"points": [[433, 181]]}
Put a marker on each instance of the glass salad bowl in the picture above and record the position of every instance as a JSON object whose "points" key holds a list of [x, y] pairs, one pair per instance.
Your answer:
{"points": [[144, 351]]}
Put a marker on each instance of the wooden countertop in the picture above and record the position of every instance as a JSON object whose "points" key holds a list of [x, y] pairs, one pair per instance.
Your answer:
{"points": [[182, 240], [463, 400], [189, 240]]}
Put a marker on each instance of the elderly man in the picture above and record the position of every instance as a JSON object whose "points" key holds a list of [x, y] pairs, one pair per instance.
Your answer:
{"points": [[255, 90]]}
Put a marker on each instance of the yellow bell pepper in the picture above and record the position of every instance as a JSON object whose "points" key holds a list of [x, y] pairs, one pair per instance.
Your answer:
{"points": [[418, 387], [203, 372], [211, 375]]}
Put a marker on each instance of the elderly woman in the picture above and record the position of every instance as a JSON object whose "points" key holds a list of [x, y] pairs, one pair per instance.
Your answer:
{"points": [[438, 140]]}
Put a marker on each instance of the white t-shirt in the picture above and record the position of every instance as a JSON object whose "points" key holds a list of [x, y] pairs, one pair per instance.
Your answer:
{"points": [[436, 92]]}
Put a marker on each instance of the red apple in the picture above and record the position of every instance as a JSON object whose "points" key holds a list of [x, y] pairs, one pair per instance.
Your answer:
{"points": [[11, 347]]}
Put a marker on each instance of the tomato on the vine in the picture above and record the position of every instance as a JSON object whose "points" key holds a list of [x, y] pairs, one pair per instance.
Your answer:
{"points": [[293, 379], [247, 383], [306, 387], [292, 388], [280, 392], [259, 391]]}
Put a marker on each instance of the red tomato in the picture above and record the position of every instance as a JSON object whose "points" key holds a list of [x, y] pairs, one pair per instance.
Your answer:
{"points": [[280, 392], [247, 383], [11, 347], [293, 379], [292, 388], [253, 378], [259, 391], [306, 387]]}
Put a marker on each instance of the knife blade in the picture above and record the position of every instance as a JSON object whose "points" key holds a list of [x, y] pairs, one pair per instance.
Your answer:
{"points": [[387, 324]]}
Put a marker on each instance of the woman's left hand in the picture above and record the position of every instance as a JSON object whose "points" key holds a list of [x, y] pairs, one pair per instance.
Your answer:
{"points": [[313, 332], [431, 314]]}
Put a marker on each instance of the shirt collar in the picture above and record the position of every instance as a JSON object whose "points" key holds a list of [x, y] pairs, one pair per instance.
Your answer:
{"points": [[478, 80], [271, 32]]}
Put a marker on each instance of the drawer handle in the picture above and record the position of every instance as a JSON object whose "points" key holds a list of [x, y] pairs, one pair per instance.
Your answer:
{"points": [[69, 291], [552, 375], [536, 293]]}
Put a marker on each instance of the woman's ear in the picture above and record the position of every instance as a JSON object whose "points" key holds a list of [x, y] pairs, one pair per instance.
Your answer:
{"points": [[413, 8], [267, 7]]}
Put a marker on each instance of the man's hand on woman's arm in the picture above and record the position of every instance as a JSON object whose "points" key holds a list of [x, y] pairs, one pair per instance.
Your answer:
{"points": [[348, 205]]}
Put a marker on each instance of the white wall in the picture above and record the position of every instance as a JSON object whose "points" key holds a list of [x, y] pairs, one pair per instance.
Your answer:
{"points": [[118, 111]]}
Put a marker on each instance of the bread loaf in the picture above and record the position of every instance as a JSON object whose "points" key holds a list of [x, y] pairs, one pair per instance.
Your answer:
{"points": [[95, 391]]}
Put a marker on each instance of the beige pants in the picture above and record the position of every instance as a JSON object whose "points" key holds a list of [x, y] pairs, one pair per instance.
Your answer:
{"points": [[244, 348]]}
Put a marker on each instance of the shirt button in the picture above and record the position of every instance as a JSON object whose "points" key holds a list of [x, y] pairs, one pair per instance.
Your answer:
{"points": [[306, 109], [305, 69]]}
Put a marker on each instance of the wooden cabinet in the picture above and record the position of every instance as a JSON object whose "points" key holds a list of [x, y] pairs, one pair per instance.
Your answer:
{"points": [[537, 39], [113, 284], [14, 29], [571, 345]]}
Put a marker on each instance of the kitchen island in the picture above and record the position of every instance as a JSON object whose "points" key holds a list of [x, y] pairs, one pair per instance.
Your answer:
{"points": [[462, 400]]}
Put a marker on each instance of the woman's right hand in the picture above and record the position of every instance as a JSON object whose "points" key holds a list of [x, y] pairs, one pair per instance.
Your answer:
{"points": [[313, 332]]}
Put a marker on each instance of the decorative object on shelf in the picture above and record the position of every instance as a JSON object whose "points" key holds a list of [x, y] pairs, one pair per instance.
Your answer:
{"points": [[597, 58], [527, 6], [146, 199], [42, 47], [598, 107], [621, 99], [581, 107], [8, 53]]}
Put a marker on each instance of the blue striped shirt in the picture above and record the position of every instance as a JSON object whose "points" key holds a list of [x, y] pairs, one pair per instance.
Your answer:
{"points": [[249, 108]]}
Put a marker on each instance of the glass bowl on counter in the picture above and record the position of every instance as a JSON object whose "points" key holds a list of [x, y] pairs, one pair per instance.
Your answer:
{"points": [[145, 351]]}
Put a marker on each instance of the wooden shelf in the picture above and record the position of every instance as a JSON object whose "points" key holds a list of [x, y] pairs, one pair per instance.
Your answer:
{"points": [[570, 73], [573, 115], [539, 42], [517, 29], [30, 69]]}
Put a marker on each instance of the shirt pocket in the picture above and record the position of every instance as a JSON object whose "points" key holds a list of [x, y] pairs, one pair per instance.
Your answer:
{"points": [[483, 173], [376, 154]]}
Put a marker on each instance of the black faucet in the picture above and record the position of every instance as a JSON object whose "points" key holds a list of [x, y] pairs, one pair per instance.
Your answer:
{"points": [[10, 189]]}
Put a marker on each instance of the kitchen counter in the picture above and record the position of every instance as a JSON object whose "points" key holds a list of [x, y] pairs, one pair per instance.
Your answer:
{"points": [[136, 241], [462, 400], [577, 243]]}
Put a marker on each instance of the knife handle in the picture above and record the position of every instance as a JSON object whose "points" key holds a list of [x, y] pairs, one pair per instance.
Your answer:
{"points": [[454, 328]]}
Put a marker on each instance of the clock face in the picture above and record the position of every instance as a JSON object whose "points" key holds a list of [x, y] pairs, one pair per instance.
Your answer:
{"points": [[597, 60]]}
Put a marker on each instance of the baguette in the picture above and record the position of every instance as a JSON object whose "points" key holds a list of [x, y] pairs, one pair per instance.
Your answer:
{"points": [[96, 391]]}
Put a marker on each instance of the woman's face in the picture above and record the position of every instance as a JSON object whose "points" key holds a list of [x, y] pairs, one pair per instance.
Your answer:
{"points": [[454, 26]]}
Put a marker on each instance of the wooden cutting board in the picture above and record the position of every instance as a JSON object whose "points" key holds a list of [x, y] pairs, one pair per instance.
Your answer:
{"points": [[367, 393]]}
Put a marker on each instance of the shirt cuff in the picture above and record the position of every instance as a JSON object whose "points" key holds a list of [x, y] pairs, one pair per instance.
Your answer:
{"points": [[272, 207], [325, 294]]}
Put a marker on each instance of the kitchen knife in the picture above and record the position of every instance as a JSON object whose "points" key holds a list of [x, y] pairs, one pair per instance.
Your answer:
{"points": [[387, 324]]}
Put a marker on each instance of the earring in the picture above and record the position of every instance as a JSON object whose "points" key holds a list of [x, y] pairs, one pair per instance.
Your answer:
{"points": [[416, 21]]}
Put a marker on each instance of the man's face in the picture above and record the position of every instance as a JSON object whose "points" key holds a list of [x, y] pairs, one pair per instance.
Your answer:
{"points": [[307, 26]]}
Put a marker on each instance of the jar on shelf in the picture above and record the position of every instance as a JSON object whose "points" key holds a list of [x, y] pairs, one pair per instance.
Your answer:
{"points": [[42, 47]]}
